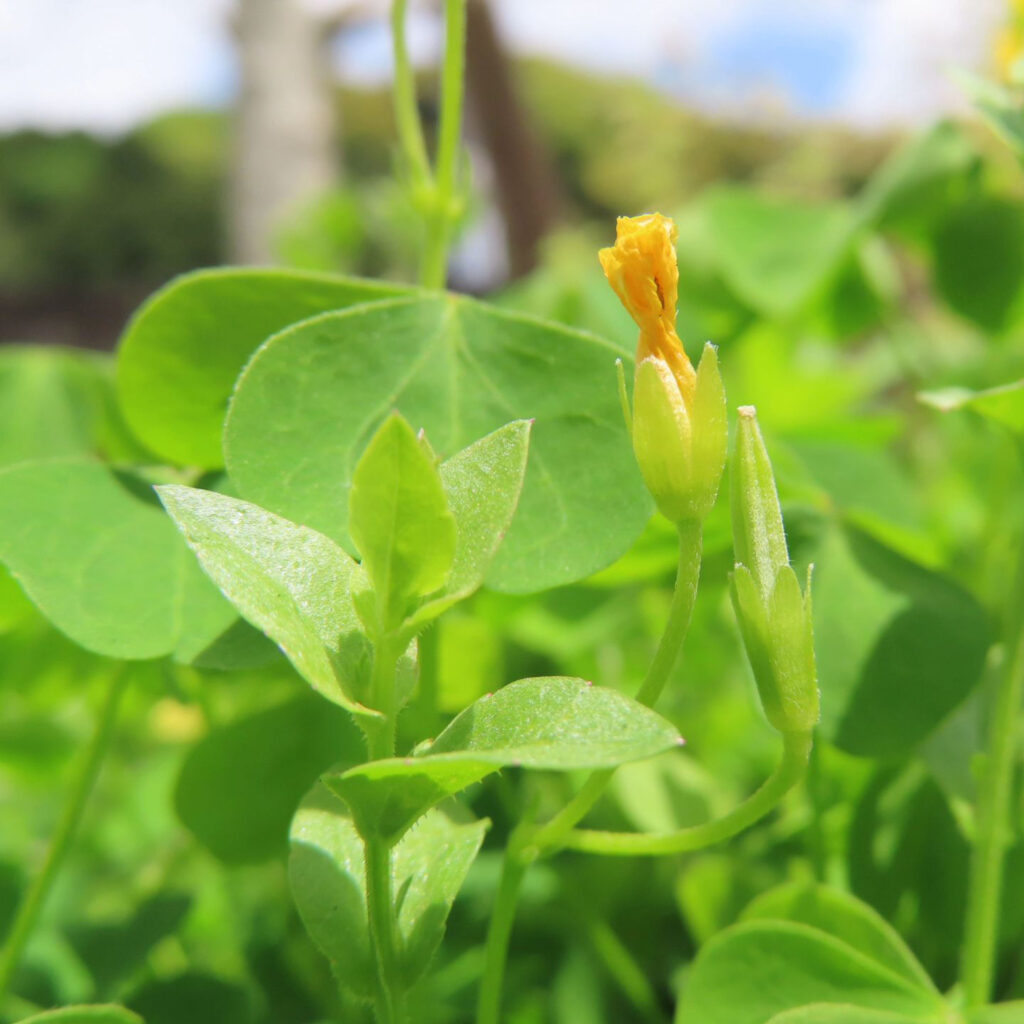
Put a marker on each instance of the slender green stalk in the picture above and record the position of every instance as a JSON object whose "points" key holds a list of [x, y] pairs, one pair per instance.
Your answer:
{"points": [[444, 208], [381, 733], [791, 769], [390, 1004], [549, 837], [488, 1007], [527, 843], [67, 827], [407, 115], [995, 789]]}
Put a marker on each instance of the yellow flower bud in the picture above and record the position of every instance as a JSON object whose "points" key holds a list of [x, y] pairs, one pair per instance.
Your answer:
{"points": [[678, 421]]}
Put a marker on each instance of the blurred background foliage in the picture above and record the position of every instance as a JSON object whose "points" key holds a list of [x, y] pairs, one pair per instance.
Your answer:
{"points": [[841, 275]]}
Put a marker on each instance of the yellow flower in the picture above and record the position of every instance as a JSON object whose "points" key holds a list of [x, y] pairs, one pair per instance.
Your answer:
{"points": [[642, 269], [678, 422]]}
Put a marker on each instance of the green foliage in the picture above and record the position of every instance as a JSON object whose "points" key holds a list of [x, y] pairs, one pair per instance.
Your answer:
{"points": [[328, 880], [459, 370], [85, 1015]]}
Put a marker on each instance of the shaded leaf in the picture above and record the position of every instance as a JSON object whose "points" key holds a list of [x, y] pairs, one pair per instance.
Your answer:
{"points": [[313, 395], [107, 1014]]}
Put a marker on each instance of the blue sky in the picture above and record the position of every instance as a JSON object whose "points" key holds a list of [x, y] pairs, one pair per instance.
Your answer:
{"points": [[106, 64]]}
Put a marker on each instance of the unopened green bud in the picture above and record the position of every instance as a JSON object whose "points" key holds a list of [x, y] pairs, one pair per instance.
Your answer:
{"points": [[775, 618], [678, 423], [680, 444]]}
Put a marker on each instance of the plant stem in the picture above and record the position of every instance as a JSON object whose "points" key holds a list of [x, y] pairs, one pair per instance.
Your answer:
{"points": [[513, 868], [32, 905], [444, 209], [381, 913], [381, 735], [550, 836], [995, 788], [526, 843], [407, 115], [791, 769]]}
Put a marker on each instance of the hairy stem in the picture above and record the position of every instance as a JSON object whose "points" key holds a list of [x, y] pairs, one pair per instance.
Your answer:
{"points": [[995, 791], [390, 1005], [791, 769], [67, 827]]}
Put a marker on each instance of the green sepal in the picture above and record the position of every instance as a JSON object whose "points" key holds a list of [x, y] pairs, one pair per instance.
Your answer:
{"points": [[791, 632], [661, 438], [710, 438], [759, 537]]}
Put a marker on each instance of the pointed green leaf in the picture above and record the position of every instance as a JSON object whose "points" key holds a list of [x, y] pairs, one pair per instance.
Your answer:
{"points": [[1004, 1013], [553, 723], [306, 404], [95, 553], [328, 880], [400, 520], [482, 484], [289, 581], [757, 969], [1003, 404], [183, 350], [844, 917]]}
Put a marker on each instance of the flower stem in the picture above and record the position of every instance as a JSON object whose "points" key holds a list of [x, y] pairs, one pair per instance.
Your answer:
{"points": [[550, 836], [791, 769], [513, 868], [995, 788], [526, 842], [67, 827], [407, 115], [443, 210]]}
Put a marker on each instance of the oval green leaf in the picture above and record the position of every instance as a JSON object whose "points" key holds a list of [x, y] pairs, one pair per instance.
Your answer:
{"points": [[311, 398], [96, 554], [239, 786], [753, 971], [106, 1014], [825, 1013], [183, 349]]}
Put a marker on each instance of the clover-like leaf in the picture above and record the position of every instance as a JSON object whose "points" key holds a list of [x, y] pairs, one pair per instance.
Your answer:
{"points": [[309, 400]]}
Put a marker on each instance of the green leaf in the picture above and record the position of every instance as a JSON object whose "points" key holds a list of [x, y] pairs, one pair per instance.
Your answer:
{"points": [[400, 520], [898, 646], [844, 917], [978, 253], [776, 254], [107, 1014], [196, 997], [239, 786], [308, 401], [56, 402], [757, 969], [95, 553], [554, 723], [1003, 404], [289, 581], [1005, 1013], [999, 105], [482, 484], [183, 349], [328, 880], [826, 1013]]}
